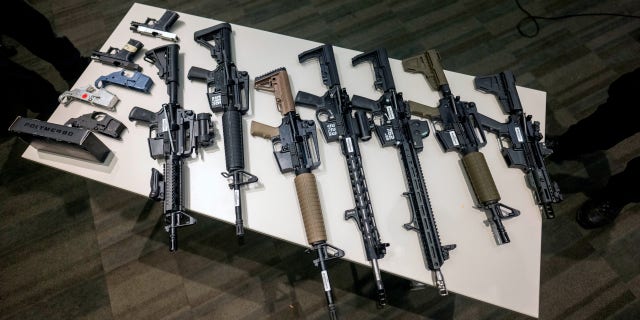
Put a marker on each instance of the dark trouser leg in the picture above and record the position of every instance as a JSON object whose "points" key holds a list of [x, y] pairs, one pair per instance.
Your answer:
{"points": [[622, 188], [24, 89], [40, 39]]}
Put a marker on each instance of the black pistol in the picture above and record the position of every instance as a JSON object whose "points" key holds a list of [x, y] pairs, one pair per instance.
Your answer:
{"points": [[122, 58]]}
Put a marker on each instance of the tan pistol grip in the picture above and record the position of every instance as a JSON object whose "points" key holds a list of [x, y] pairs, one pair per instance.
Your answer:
{"points": [[262, 130], [309, 200], [480, 176]]}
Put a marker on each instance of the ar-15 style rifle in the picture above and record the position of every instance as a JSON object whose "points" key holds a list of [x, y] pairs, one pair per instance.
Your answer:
{"points": [[394, 127], [527, 152], [461, 131], [340, 122], [178, 133], [295, 146], [227, 92]]}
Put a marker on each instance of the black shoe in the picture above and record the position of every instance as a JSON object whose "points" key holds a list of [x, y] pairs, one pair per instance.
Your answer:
{"points": [[596, 213]]}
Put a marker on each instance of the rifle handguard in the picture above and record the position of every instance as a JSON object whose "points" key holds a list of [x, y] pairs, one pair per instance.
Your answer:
{"points": [[480, 176], [309, 201]]}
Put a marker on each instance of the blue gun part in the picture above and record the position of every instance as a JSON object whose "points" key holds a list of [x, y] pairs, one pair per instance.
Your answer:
{"points": [[137, 81]]}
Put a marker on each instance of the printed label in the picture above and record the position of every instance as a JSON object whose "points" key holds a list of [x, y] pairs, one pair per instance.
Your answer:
{"points": [[331, 129], [390, 114], [216, 100], [349, 144], [165, 125], [454, 138], [389, 136], [519, 134], [325, 280]]}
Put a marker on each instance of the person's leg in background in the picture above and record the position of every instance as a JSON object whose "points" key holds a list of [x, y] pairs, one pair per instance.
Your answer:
{"points": [[621, 190], [40, 39], [613, 121]]}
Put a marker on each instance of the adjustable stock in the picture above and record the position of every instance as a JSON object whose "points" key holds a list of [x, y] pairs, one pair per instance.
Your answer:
{"points": [[429, 65], [328, 68], [221, 36], [381, 68], [277, 82]]}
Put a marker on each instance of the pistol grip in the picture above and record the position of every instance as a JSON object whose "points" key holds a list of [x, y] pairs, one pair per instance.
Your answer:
{"points": [[140, 114], [196, 73]]}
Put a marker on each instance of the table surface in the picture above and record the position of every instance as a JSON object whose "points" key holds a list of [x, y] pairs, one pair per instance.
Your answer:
{"points": [[506, 275]]}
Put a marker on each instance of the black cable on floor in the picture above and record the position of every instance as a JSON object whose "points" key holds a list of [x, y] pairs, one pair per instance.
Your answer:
{"points": [[535, 19]]}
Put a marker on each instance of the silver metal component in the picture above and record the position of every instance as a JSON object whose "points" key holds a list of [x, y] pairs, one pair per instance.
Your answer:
{"points": [[439, 281], [97, 97], [157, 33]]}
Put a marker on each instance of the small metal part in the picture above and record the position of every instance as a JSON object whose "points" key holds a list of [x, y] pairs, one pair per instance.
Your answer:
{"points": [[137, 81], [158, 28], [96, 97], [99, 122]]}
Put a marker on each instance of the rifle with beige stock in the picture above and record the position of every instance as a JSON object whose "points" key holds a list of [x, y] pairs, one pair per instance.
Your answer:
{"points": [[461, 129], [295, 146]]}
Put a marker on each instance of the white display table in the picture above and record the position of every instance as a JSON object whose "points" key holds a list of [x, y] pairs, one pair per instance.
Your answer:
{"points": [[506, 275]]}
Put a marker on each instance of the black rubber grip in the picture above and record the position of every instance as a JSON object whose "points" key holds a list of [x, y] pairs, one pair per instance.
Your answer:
{"points": [[232, 135]]}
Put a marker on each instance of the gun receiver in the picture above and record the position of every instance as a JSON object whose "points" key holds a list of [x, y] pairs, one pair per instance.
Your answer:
{"points": [[526, 150], [96, 97], [462, 131], [137, 81], [227, 92], [157, 28], [120, 57], [98, 122], [395, 127], [178, 134], [340, 121], [295, 146]]}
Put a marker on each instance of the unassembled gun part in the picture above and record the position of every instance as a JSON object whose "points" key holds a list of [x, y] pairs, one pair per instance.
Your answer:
{"points": [[158, 28], [120, 57], [99, 122], [97, 97], [137, 81]]}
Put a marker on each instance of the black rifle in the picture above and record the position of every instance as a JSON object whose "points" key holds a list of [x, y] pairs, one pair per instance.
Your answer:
{"points": [[227, 92], [340, 122], [120, 57], [295, 147], [394, 127], [178, 133], [527, 152], [462, 131]]}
